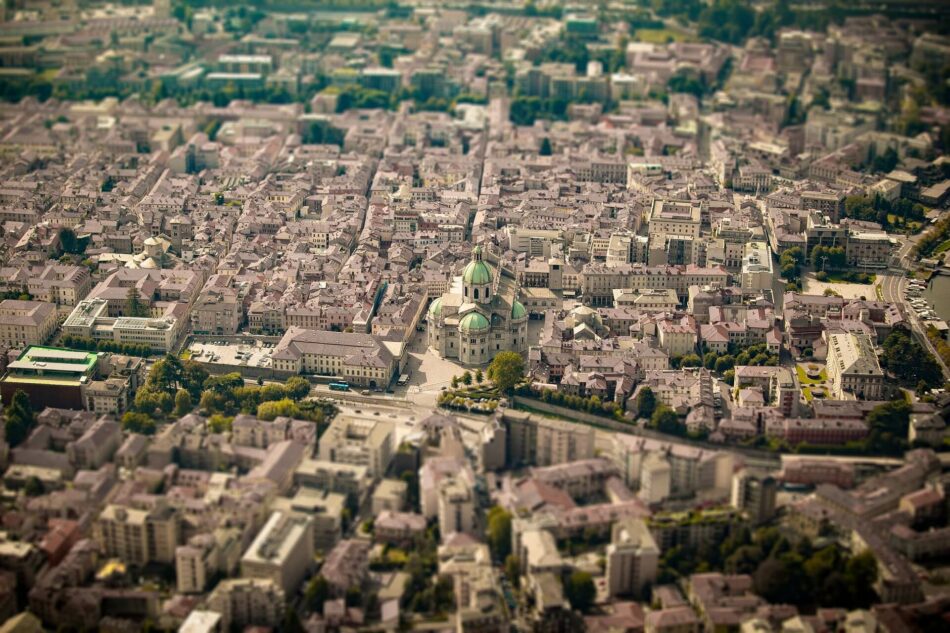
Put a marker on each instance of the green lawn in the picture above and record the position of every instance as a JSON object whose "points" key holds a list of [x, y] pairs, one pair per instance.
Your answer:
{"points": [[475, 392], [838, 277], [913, 225], [805, 380], [811, 393], [660, 36], [943, 247]]}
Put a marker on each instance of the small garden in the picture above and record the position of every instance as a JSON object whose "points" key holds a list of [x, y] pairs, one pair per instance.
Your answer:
{"points": [[811, 373], [814, 381], [481, 392], [471, 393], [845, 277]]}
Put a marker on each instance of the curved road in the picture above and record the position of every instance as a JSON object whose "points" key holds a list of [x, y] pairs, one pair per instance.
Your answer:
{"points": [[892, 284]]}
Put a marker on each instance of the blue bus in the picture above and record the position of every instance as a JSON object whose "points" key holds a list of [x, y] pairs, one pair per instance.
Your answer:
{"points": [[339, 386]]}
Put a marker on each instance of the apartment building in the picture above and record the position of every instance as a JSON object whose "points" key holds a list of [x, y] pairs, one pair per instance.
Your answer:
{"points": [[757, 273], [347, 479], [632, 559], [282, 551], [195, 564], [359, 442], [136, 536], [244, 602], [456, 507], [24, 323], [324, 510], [540, 441], [218, 308], [668, 217]]}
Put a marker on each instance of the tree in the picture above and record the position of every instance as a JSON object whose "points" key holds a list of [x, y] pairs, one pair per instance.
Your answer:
{"points": [[183, 403], [318, 590], [269, 393], [499, 532], [479, 376], [545, 149], [506, 370], [888, 425], [192, 377], [33, 487], [218, 423], [147, 400], [20, 418], [291, 623], [907, 359], [224, 384], [771, 580], [166, 374], [133, 304], [691, 360], [646, 402], [724, 363], [580, 591], [790, 262], [135, 422], [513, 570], [297, 387], [455, 382], [276, 408], [467, 378], [69, 243], [665, 420]]}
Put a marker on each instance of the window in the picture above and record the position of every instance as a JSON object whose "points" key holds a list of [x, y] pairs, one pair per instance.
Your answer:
{"points": [[476, 293]]}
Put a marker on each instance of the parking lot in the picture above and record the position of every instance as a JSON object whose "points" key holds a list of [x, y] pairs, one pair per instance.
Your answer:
{"points": [[233, 354]]}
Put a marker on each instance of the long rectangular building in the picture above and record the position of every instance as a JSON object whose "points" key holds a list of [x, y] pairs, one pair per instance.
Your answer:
{"points": [[360, 359]]}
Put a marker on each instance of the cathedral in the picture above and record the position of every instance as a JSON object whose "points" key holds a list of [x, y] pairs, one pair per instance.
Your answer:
{"points": [[479, 316]]}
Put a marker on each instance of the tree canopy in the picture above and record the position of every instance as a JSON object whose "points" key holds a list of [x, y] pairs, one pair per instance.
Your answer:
{"points": [[910, 363], [20, 418], [499, 532], [506, 370], [580, 591]]}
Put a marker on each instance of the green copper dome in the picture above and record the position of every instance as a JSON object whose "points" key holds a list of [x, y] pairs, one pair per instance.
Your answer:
{"points": [[518, 311], [474, 322], [435, 309], [476, 272]]}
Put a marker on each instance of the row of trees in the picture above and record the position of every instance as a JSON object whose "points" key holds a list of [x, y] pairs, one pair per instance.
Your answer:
{"points": [[784, 571], [467, 378], [92, 345], [909, 362], [174, 386], [933, 238], [20, 418], [790, 263], [878, 208], [829, 258], [940, 344], [591, 404]]}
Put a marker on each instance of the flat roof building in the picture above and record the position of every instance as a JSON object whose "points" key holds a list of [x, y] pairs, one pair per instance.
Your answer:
{"points": [[282, 551]]}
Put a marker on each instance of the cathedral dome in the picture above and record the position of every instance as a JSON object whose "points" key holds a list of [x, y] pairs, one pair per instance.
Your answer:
{"points": [[435, 309], [477, 272], [518, 311], [474, 322]]}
